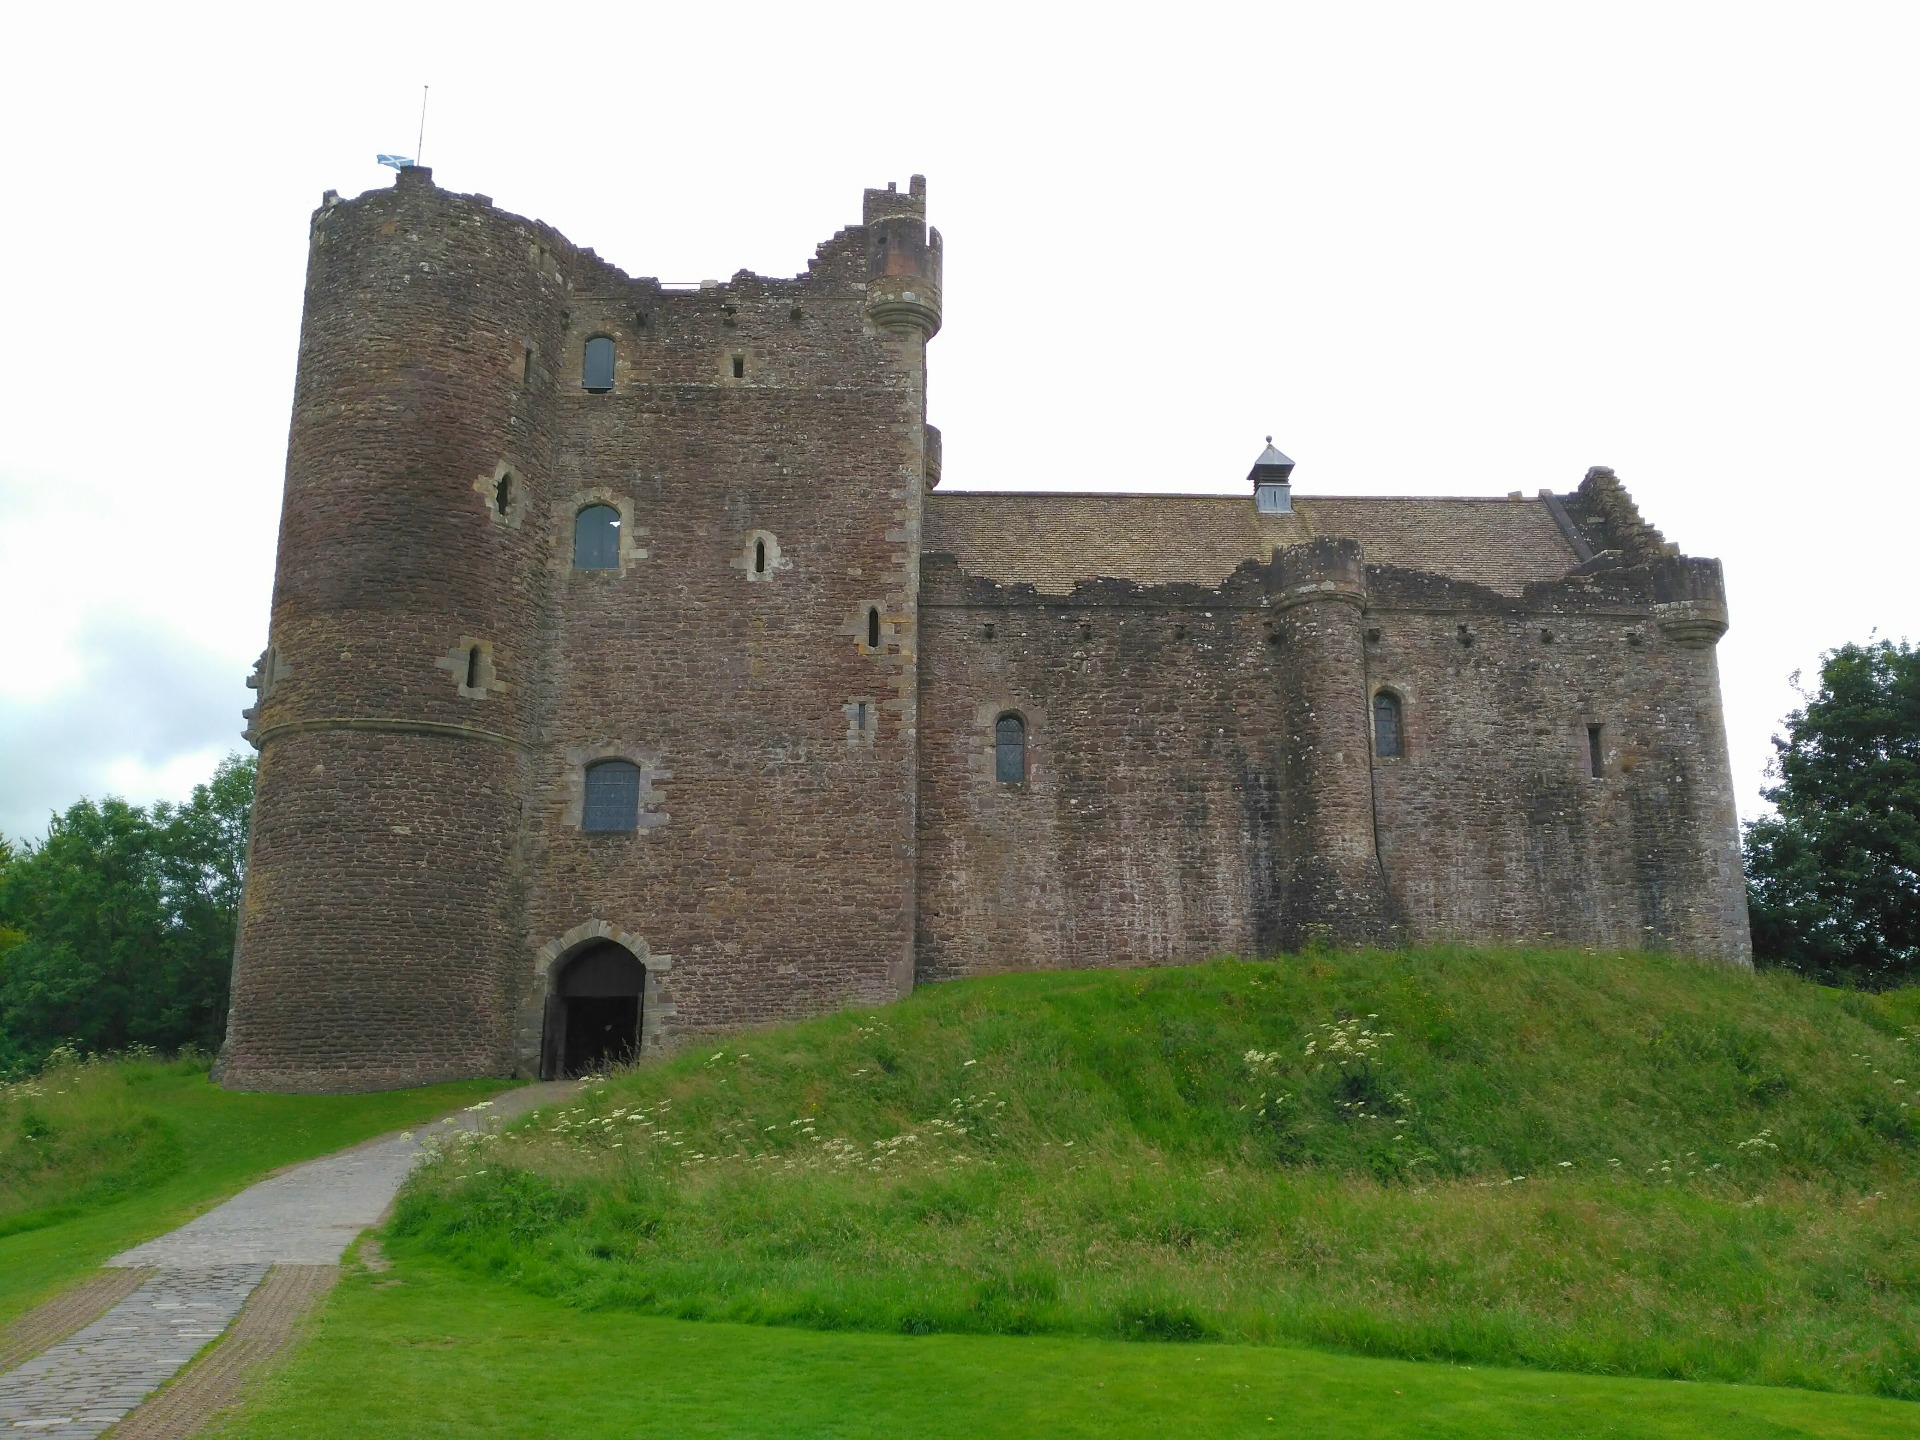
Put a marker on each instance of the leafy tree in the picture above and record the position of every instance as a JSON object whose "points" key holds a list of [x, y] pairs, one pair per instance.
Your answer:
{"points": [[1834, 878], [117, 929]]}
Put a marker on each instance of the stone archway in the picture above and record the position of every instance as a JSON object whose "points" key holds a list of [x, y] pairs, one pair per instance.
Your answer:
{"points": [[594, 1005], [559, 973]]}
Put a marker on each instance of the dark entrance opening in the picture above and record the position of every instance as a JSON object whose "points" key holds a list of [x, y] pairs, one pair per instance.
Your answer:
{"points": [[593, 1012]]}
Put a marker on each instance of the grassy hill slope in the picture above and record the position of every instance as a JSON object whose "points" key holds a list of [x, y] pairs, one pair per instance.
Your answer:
{"points": [[1614, 1164]]}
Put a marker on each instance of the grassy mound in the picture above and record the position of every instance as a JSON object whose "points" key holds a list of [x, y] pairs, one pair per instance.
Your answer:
{"points": [[1614, 1164], [99, 1155]]}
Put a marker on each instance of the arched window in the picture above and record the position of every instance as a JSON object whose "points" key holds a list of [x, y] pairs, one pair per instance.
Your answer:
{"points": [[613, 796], [473, 668], [873, 627], [596, 538], [1388, 740], [759, 557], [1010, 750], [596, 370]]}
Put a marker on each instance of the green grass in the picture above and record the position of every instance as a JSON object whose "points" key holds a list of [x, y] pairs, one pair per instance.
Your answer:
{"points": [[428, 1350], [1613, 1165], [98, 1156]]}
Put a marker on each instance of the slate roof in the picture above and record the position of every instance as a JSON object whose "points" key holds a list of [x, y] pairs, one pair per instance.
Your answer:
{"points": [[1051, 540]]}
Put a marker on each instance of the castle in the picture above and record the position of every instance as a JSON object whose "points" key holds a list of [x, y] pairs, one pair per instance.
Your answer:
{"points": [[629, 678]]}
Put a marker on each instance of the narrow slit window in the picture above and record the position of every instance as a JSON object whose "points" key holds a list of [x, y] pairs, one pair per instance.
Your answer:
{"points": [[1596, 753], [759, 557], [596, 538], [1388, 741], [526, 368], [739, 367], [596, 369], [473, 668], [503, 495], [612, 801], [873, 628], [1010, 750]]}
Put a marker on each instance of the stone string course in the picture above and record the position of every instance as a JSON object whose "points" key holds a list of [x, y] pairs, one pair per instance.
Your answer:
{"points": [[822, 824]]}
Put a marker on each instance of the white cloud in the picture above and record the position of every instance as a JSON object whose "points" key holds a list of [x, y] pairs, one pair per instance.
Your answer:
{"points": [[150, 715]]}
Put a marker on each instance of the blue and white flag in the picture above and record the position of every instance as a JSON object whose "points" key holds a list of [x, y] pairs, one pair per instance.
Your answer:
{"points": [[398, 162]]}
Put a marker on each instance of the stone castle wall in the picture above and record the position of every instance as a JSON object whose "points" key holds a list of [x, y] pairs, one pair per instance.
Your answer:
{"points": [[782, 885], [1180, 739]]}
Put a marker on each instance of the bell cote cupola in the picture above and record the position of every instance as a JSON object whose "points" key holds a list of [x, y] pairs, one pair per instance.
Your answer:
{"points": [[1272, 477]]}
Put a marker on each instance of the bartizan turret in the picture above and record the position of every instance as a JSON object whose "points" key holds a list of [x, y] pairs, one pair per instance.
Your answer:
{"points": [[903, 261]]}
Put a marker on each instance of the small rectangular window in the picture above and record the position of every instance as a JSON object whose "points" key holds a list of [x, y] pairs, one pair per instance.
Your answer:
{"points": [[612, 800], [1010, 750], [596, 366], [739, 367], [1596, 753], [1386, 725]]}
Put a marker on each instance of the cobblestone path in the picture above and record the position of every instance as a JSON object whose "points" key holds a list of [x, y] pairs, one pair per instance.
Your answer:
{"points": [[92, 1378], [201, 1276]]}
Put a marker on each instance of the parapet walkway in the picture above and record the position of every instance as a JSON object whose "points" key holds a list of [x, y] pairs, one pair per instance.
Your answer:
{"points": [[103, 1348]]}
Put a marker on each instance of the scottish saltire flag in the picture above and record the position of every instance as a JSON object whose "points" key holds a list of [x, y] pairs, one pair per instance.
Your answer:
{"points": [[398, 162]]}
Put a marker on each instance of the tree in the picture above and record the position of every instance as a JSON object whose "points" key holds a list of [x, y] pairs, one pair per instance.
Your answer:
{"points": [[1833, 879], [123, 922]]}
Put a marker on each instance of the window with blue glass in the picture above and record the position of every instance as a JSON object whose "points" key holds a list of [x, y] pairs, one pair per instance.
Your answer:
{"points": [[596, 366], [1010, 750], [613, 797], [1389, 739], [596, 538]]}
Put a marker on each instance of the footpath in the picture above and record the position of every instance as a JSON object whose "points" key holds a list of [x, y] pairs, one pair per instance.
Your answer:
{"points": [[243, 1274]]}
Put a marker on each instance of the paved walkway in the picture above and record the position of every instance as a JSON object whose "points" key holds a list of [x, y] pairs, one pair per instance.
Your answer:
{"points": [[204, 1271], [91, 1379]]}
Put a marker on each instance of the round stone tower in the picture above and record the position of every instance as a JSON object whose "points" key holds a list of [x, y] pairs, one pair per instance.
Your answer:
{"points": [[398, 693], [1332, 884]]}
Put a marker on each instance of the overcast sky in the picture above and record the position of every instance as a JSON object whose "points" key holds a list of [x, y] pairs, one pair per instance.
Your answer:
{"points": [[1433, 249]]}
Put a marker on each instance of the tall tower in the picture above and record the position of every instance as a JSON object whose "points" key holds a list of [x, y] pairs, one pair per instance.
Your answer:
{"points": [[397, 697], [434, 889]]}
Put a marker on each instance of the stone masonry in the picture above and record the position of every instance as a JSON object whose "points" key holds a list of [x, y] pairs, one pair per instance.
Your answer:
{"points": [[805, 652]]}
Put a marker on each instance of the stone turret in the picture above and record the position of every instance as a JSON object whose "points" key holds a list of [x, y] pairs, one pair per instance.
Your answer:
{"points": [[903, 260], [1331, 882], [398, 695]]}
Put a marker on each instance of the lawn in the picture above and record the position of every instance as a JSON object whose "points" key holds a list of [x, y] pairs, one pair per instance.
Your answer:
{"points": [[99, 1156], [1611, 1164], [428, 1350]]}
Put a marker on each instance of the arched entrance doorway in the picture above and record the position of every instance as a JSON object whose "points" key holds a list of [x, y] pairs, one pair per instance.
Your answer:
{"points": [[593, 1011]]}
